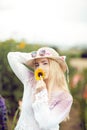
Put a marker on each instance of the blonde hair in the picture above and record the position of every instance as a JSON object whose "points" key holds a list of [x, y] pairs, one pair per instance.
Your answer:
{"points": [[57, 75]]}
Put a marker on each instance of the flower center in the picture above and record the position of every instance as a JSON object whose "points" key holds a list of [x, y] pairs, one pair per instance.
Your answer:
{"points": [[40, 74]]}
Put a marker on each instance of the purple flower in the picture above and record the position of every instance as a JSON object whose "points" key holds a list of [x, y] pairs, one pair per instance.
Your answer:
{"points": [[3, 114]]}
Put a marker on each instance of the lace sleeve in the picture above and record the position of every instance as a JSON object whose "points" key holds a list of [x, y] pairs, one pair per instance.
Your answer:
{"points": [[17, 61], [49, 118]]}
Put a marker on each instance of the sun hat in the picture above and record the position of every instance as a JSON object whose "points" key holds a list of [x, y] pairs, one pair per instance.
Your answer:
{"points": [[47, 52]]}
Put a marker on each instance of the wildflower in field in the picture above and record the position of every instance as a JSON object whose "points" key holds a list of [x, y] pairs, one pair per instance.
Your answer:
{"points": [[3, 114], [76, 79], [85, 92], [21, 45]]}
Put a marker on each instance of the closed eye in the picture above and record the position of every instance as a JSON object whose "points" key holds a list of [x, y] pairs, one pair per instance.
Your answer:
{"points": [[45, 63]]}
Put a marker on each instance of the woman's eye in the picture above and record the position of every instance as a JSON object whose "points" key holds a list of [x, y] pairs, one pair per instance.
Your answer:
{"points": [[45, 63], [36, 65]]}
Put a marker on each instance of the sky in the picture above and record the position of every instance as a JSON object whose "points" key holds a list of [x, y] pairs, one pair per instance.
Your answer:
{"points": [[62, 22]]}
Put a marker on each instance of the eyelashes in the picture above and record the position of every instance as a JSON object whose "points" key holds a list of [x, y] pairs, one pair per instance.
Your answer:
{"points": [[37, 64]]}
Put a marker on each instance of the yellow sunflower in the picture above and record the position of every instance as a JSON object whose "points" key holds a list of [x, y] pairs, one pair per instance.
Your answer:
{"points": [[39, 73]]}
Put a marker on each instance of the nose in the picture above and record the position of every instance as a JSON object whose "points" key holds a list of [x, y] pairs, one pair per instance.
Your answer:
{"points": [[40, 66]]}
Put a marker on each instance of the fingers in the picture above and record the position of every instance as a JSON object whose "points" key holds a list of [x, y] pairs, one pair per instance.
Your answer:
{"points": [[41, 78], [40, 84], [39, 90]]}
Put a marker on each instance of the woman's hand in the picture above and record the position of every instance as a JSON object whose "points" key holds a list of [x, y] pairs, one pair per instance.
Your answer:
{"points": [[40, 85], [40, 93]]}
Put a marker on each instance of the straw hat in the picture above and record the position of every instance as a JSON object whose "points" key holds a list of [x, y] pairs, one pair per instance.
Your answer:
{"points": [[47, 52]]}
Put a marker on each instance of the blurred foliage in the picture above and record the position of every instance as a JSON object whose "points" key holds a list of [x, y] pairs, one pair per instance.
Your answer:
{"points": [[12, 89]]}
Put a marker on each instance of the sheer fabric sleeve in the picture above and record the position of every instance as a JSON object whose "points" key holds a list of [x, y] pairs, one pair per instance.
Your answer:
{"points": [[17, 61], [50, 117]]}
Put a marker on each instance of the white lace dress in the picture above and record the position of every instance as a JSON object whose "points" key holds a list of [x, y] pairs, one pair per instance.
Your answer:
{"points": [[41, 114]]}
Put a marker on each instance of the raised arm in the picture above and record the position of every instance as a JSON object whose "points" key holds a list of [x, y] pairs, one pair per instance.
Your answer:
{"points": [[50, 117], [17, 61]]}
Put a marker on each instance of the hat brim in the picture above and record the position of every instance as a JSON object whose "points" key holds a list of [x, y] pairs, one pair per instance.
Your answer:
{"points": [[60, 61]]}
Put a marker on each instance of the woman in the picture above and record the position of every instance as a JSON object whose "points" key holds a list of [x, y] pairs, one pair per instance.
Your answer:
{"points": [[46, 102]]}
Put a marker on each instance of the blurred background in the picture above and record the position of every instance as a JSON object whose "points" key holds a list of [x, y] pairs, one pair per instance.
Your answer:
{"points": [[26, 25]]}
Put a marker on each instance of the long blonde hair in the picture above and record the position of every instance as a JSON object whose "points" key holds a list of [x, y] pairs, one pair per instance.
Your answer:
{"points": [[57, 75]]}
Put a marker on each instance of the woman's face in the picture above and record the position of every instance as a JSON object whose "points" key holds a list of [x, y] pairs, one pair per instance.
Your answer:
{"points": [[42, 63]]}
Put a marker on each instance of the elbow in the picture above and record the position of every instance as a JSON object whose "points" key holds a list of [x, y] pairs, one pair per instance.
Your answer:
{"points": [[12, 56], [47, 124], [71, 99], [69, 104], [9, 55], [43, 125], [42, 122]]}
